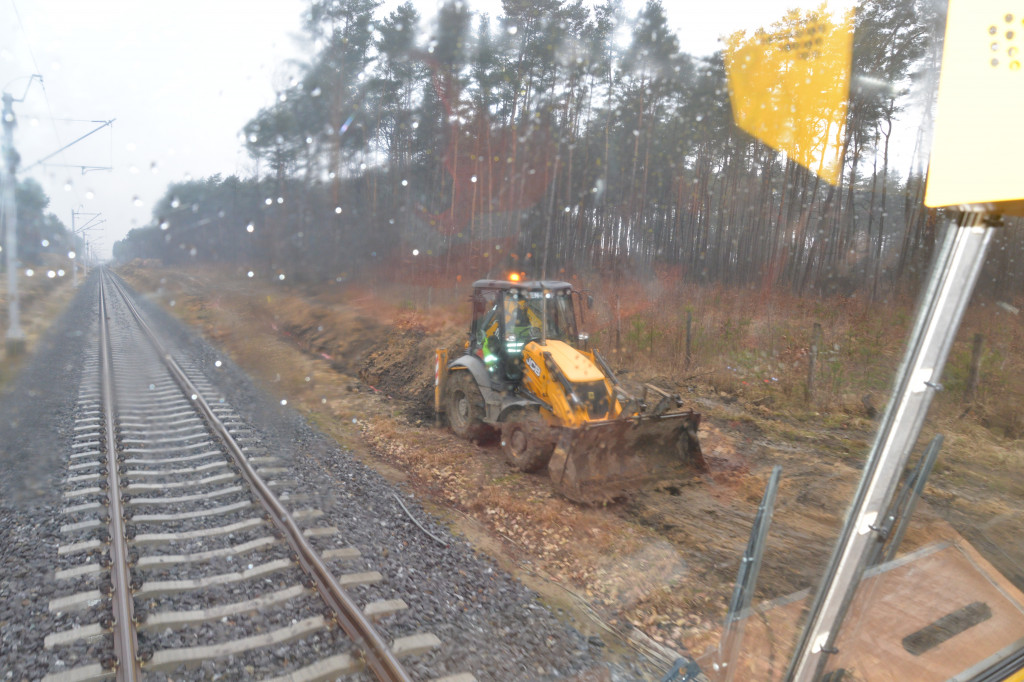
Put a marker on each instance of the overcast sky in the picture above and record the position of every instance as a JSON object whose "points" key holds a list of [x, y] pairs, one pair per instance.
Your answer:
{"points": [[181, 78]]}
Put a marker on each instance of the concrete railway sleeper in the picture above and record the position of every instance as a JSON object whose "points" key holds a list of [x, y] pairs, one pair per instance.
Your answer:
{"points": [[178, 556]]}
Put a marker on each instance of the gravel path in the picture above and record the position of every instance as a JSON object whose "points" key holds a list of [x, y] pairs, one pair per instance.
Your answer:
{"points": [[35, 435], [490, 625]]}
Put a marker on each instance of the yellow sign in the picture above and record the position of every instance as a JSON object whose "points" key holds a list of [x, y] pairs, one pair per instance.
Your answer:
{"points": [[789, 87], [978, 149]]}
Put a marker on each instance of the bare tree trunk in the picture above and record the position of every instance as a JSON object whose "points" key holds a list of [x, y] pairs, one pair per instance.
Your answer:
{"points": [[871, 211], [881, 217]]}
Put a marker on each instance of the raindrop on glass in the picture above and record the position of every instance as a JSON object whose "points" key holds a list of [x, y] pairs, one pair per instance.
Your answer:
{"points": [[250, 227]]}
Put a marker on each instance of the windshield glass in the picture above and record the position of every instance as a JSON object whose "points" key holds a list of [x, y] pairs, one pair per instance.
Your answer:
{"points": [[526, 310], [798, 228]]}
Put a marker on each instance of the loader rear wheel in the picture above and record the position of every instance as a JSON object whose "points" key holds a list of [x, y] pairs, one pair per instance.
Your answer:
{"points": [[465, 407], [526, 440]]}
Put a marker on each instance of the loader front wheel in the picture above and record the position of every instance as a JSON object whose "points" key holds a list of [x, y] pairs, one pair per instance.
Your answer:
{"points": [[465, 407], [526, 440]]}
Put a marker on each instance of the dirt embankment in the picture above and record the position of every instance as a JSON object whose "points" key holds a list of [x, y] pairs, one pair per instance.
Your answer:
{"points": [[661, 564]]}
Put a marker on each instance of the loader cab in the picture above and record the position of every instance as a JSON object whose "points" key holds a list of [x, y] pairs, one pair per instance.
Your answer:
{"points": [[509, 315]]}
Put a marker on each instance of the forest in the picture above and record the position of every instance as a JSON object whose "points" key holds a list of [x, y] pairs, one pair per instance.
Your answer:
{"points": [[562, 138], [41, 234]]}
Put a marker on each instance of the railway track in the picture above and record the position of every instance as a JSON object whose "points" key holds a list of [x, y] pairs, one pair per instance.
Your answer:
{"points": [[187, 550]]}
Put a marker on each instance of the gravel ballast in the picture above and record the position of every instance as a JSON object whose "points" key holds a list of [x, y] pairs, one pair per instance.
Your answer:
{"points": [[489, 624]]}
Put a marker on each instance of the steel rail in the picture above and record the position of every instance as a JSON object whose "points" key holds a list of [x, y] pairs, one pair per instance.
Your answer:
{"points": [[126, 640], [377, 654]]}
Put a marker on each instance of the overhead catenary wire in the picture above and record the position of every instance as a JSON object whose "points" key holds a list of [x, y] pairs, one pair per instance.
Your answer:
{"points": [[53, 119], [42, 83], [103, 124]]}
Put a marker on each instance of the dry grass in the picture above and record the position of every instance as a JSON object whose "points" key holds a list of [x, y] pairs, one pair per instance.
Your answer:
{"points": [[744, 343], [42, 300], [749, 350]]}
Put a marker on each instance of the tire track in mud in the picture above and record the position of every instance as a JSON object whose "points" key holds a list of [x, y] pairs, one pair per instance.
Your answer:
{"points": [[709, 522]]}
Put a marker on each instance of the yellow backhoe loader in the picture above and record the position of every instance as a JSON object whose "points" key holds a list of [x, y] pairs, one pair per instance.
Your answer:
{"points": [[528, 375]]}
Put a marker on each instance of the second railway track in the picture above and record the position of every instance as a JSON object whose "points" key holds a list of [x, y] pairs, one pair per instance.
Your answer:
{"points": [[187, 550]]}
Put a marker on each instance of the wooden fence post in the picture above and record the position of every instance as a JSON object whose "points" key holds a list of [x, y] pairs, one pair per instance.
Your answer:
{"points": [[975, 374], [689, 326], [812, 359], [618, 326]]}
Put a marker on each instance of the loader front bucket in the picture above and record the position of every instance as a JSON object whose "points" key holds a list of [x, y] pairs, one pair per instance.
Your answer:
{"points": [[607, 460]]}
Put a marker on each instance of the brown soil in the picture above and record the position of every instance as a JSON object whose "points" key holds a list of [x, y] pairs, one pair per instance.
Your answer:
{"points": [[660, 564]]}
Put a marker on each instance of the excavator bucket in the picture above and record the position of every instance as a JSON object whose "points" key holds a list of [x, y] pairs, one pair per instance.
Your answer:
{"points": [[603, 461]]}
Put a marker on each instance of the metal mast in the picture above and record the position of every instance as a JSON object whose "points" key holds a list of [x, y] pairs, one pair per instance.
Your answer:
{"points": [[15, 342]]}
